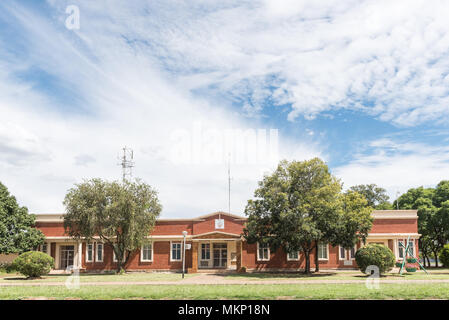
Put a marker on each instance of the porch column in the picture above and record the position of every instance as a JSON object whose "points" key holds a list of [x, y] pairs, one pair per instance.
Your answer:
{"points": [[194, 268], [238, 247], [79, 255]]}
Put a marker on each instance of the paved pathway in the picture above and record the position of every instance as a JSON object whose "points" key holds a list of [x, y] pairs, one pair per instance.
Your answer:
{"points": [[209, 279]]}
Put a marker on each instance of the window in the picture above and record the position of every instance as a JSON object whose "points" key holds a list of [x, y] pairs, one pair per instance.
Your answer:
{"points": [[294, 256], [44, 248], [263, 252], [99, 257], [401, 249], [342, 253], [322, 251], [352, 252], [205, 251], [411, 247], [175, 251], [89, 252], [146, 252]]}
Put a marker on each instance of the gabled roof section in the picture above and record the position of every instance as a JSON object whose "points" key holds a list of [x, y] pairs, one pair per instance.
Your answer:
{"points": [[395, 214], [236, 217], [237, 235]]}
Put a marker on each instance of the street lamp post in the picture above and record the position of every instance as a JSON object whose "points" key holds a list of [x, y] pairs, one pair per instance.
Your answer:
{"points": [[184, 233]]}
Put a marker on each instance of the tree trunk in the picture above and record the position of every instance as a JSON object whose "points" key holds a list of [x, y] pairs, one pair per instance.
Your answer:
{"points": [[307, 256], [436, 259], [428, 262], [424, 257], [317, 265]]}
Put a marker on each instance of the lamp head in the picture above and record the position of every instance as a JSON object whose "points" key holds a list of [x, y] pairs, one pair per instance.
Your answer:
{"points": [[184, 233]]}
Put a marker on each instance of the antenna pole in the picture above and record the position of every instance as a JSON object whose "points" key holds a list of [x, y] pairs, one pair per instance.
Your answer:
{"points": [[229, 184], [127, 163]]}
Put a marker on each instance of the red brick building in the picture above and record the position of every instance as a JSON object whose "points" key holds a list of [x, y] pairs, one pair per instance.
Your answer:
{"points": [[214, 242]]}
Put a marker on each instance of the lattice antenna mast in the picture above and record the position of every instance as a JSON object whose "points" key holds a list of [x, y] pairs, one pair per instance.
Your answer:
{"points": [[229, 184], [127, 163]]}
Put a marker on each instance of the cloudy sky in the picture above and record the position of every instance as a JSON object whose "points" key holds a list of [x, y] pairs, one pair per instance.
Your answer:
{"points": [[362, 84]]}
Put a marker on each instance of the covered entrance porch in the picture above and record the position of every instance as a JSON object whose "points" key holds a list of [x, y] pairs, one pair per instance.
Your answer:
{"points": [[216, 251]]}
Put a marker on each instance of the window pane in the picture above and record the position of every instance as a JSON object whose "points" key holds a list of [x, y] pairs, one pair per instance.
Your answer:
{"points": [[342, 252]]}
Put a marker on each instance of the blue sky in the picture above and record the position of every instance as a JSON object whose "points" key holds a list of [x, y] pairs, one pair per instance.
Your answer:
{"points": [[362, 84]]}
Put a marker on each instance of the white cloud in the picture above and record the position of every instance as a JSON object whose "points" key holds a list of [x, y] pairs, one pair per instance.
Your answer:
{"points": [[127, 99], [397, 166], [386, 58]]}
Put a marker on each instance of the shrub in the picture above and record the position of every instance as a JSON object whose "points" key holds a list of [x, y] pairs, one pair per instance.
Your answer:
{"points": [[33, 264], [7, 267], [444, 255], [242, 269], [398, 264], [377, 255]]}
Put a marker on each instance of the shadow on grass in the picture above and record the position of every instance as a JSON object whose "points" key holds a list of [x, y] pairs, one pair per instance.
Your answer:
{"points": [[266, 275]]}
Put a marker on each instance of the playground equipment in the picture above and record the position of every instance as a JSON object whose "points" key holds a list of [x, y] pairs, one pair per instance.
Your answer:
{"points": [[408, 252]]}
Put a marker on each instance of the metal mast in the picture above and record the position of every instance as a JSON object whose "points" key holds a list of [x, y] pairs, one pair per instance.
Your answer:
{"points": [[127, 162]]}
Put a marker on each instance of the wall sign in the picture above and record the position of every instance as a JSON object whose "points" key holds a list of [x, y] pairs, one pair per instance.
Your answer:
{"points": [[219, 223]]}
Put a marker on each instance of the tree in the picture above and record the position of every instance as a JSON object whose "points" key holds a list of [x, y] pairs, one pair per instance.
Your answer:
{"points": [[17, 232], [433, 217], [120, 214], [296, 207], [376, 196]]}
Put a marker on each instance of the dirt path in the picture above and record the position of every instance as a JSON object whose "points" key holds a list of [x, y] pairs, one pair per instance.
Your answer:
{"points": [[210, 279]]}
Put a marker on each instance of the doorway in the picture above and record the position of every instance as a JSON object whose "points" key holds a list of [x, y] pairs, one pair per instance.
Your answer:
{"points": [[220, 251], [67, 254]]}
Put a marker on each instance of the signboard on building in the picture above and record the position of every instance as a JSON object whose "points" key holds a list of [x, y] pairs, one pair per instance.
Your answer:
{"points": [[219, 223]]}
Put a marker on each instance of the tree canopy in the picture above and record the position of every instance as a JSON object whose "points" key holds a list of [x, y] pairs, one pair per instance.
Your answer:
{"points": [[119, 214], [17, 232], [375, 196], [433, 216], [301, 204]]}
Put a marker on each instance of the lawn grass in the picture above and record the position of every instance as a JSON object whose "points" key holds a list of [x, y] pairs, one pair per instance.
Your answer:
{"points": [[436, 274], [86, 277], [244, 292]]}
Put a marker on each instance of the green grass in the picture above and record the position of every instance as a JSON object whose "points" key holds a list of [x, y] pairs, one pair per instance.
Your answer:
{"points": [[85, 277], [436, 274], [279, 291]]}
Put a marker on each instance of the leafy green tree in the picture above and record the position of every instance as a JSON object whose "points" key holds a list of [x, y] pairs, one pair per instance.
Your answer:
{"points": [[433, 216], [375, 196], [120, 214], [17, 232], [298, 206]]}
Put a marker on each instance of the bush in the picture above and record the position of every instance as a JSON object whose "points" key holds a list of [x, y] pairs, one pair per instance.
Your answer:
{"points": [[242, 269], [398, 264], [7, 267], [33, 264], [377, 255], [443, 255]]}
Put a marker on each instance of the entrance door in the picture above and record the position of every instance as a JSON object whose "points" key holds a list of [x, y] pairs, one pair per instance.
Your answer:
{"points": [[220, 255], [67, 253]]}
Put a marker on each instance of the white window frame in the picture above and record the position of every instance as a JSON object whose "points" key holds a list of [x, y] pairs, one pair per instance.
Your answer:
{"points": [[171, 251], [201, 253], [413, 248], [293, 259], [96, 252], [87, 252], [141, 252], [339, 253], [41, 247], [349, 252], [401, 248], [326, 245], [268, 253]]}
